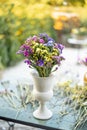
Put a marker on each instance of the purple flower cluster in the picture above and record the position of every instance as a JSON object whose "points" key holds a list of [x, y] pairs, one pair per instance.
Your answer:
{"points": [[85, 61], [59, 46], [40, 62], [26, 51], [47, 40], [58, 59]]}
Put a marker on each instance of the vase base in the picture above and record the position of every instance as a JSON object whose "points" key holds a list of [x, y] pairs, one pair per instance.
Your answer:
{"points": [[44, 116]]}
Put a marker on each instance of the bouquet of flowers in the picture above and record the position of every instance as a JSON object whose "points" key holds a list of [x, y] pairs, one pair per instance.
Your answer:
{"points": [[42, 53]]}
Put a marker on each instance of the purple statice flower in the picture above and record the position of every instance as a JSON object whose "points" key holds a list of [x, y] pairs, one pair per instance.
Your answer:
{"points": [[51, 39], [25, 50], [58, 59], [24, 46], [49, 43], [27, 61], [28, 40], [19, 52], [41, 35], [25, 53], [30, 51], [40, 62], [41, 40], [44, 36], [59, 46], [35, 38], [85, 61]]}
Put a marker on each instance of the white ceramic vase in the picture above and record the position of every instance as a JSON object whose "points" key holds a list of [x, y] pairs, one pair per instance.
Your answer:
{"points": [[43, 92]]}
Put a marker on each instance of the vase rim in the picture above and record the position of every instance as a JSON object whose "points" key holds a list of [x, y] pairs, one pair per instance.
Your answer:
{"points": [[44, 77]]}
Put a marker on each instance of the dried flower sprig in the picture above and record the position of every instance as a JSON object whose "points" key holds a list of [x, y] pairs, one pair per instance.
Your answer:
{"points": [[76, 98], [17, 99]]}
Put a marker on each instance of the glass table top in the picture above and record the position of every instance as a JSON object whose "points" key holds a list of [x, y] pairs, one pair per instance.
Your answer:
{"points": [[12, 108]]}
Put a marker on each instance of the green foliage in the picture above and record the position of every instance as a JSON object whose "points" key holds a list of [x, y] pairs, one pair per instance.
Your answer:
{"points": [[55, 2], [14, 30], [76, 2], [35, 26], [49, 2], [8, 39], [67, 2]]}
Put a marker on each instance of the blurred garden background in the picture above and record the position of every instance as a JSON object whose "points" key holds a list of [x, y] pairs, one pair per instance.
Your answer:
{"points": [[19, 19], [63, 20]]}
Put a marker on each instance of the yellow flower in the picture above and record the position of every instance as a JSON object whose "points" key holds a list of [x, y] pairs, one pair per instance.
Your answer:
{"points": [[44, 52], [75, 31], [48, 60], [55, 52], [63, 18], [19, 32], [58, 25], [2, 36], [38, 50], [35, 57]]}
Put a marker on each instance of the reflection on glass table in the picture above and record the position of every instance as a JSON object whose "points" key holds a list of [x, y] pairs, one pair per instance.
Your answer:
{"points": [[17, 105]]}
